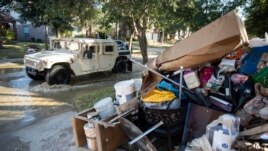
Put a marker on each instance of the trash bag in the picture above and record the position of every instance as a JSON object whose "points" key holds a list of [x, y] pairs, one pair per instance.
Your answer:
{"points": [[222, 133]]}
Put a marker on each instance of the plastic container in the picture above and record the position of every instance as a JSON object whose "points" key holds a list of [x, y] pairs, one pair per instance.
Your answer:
{"points": [[138, 83], [91, 136], [191, 79], [105, 107], [222, 132], [125, 91]]}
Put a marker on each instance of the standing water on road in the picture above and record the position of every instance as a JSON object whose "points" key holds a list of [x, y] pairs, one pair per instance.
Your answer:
{"points": [[24, 101]]}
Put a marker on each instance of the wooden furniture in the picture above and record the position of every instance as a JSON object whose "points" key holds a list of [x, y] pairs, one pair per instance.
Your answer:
{"points": [[109, 135]]}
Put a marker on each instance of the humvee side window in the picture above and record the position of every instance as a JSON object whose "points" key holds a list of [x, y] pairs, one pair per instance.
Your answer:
{"points": [[92, 49], [109, 48], [88, 52]]}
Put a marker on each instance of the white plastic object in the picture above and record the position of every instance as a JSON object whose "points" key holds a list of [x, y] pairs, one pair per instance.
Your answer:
{"points": [[125, 91], [223, 132], [91, 136], [105, 107], [191, 79]]}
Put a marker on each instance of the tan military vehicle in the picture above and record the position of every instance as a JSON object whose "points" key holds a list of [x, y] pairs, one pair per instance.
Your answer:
{"points": [[76, 56]]}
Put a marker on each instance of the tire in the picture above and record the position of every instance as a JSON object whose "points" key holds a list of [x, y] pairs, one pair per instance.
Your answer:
{"points": [[34, 77], [129, 65], [58, 75], [120, 66]]}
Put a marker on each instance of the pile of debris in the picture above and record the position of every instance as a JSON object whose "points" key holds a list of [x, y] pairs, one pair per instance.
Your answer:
{"points": [[209, 90]]}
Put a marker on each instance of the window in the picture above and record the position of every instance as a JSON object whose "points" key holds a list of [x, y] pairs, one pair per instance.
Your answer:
{"points": [[26, 31], [109, 48], [92, 49], [72, 46]]}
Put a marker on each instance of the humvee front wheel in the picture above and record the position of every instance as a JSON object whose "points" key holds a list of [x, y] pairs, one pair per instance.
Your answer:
{"points": [[58, 75]]}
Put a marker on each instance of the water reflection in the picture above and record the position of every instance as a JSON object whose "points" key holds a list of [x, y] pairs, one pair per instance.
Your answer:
{"points": [[10, 70]]}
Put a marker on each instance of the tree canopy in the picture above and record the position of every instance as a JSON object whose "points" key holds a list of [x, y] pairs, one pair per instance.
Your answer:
{"points": [[257, 17], [165, 15]]}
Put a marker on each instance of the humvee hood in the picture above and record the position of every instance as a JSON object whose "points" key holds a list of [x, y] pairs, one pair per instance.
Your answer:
{"points": [[55, 54]]}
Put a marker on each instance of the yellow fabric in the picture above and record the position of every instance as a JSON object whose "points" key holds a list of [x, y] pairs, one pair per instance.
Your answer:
{"points": [[158, 96]]}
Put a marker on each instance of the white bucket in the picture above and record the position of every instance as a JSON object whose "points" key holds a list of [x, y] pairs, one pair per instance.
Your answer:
{"points": [[105, 107], [125, 91], [138, 83], [91, 136]]}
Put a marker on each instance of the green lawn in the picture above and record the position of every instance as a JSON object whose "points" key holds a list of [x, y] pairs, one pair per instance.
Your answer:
{"points": [[152, 45], [88, 100], [17, 50]]}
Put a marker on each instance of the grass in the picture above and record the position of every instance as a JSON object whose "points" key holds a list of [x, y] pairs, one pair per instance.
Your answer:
{"points": [[16, 50], [152, 45], [88, 100]]}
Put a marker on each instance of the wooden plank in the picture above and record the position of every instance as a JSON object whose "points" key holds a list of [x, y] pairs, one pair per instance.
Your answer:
{"points": [[78, 122], [133, 103], [254, 131], [84, 113], [110, 138], [78, 131]]}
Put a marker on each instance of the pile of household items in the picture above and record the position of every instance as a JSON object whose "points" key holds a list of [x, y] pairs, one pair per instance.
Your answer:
{"points": [[209, 91]]}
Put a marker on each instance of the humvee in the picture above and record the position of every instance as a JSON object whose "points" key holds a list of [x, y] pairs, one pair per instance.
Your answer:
{"points": [[76, 56]]}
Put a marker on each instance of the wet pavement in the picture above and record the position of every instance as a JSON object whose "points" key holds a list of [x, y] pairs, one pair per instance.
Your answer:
{"points": [[24, 102]]}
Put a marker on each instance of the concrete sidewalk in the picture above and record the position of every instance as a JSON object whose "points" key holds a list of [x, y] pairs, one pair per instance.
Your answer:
{"points": [[51, 134]]}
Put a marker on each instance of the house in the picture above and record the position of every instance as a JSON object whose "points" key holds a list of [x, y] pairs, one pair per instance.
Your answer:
{"points": [[7, 22], [27, 32]]}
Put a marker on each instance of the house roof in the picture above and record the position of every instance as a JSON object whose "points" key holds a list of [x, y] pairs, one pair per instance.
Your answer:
{"points": [[5, 18]]}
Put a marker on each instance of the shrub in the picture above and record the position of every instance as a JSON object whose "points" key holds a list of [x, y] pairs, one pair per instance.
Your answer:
{"points": [[80, 36], [33, 39], [8, 36], [39, 40]]}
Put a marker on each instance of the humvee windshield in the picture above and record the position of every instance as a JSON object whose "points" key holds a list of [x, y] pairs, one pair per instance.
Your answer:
{"points": [[69, 45]]}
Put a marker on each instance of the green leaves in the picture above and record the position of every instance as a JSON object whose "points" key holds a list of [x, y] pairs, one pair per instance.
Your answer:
{"points": [[257, 18], [59, 14]]}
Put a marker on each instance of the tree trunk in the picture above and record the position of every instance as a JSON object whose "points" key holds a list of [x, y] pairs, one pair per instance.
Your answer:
{"points": [[46, 37], [1, 42], [143, 45], [163, 37], [57, 32], [116, 29], [131, 41]]}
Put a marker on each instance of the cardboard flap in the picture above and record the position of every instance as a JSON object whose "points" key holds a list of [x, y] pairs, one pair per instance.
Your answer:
{"points": [[224, 34]]}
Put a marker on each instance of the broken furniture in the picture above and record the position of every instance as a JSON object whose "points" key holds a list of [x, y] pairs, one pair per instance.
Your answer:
{"points": [[109, 137]]}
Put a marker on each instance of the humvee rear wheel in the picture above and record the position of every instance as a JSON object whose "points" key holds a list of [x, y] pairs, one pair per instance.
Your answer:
{"points": [[120, 66], [34, 77], [58, 75]]}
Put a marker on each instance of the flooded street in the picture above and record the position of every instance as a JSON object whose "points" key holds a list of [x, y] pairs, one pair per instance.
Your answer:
{"points": [[24, 101], [36, 116]]}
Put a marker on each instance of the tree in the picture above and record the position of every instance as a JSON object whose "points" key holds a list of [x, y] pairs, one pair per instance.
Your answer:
{"points": [[59, 14], [196, 14], [257, 20], [48, 13], [87, 14], [141, 13]]}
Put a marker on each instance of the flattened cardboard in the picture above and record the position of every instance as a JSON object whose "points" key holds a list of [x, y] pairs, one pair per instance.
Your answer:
{"points": [[198, 117], [207, 44]]}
